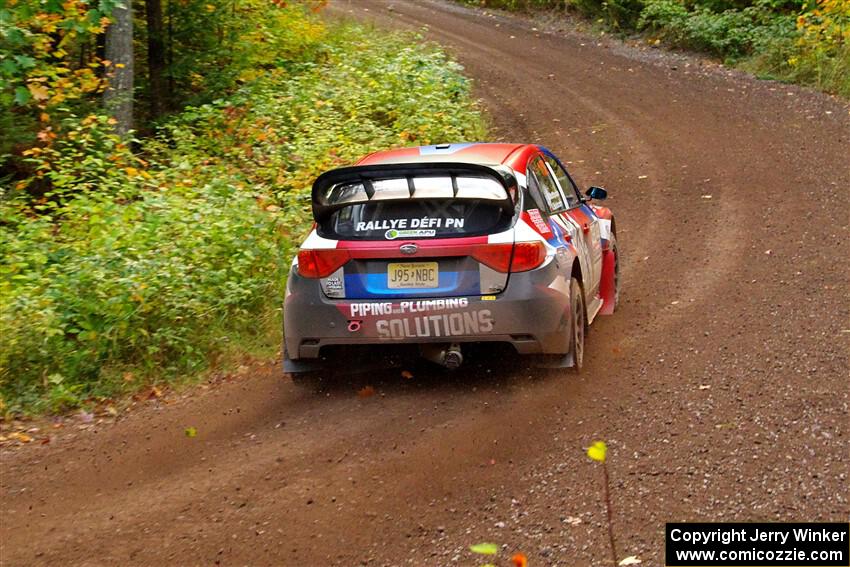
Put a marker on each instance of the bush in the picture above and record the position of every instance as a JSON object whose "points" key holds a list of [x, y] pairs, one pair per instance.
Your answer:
{"points": [[731, 34], [122, 269]]}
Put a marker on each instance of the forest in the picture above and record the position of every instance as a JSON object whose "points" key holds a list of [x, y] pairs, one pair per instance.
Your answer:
{"points": [[156, 158]]}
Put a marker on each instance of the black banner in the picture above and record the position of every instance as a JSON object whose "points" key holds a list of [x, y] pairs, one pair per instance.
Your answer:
{"points": [[757, 545]]}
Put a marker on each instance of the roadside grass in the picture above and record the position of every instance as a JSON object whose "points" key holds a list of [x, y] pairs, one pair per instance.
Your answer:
{"points": [[153, 266]]}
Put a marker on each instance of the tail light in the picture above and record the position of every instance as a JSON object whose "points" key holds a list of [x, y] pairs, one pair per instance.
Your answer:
{"points": [[321, 263], [526, 256], [496, 256]]}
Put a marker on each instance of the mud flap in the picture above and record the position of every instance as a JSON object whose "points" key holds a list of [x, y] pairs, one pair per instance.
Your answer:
{"points": [[606, 284], [554, 361], [300, 366]]}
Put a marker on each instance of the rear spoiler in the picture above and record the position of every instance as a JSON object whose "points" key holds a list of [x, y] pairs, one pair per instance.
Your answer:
{"points": [[367, 173]]}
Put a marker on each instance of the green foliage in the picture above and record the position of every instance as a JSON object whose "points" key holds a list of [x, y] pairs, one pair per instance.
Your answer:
{"points": [[730, 34], [216, 45], [370, 92], [159, 281], [152, 267]]}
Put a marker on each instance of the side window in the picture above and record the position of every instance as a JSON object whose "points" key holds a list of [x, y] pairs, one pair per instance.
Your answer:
{"points": [[536, 201], [542, 177], [570, 190]]}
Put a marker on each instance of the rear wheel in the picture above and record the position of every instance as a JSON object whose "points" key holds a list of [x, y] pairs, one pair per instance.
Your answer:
{"points": [[616, 253], [578, 324]]}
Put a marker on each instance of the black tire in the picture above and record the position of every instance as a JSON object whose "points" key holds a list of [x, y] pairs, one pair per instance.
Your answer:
{"points": [[613, 247], [578, 324]]}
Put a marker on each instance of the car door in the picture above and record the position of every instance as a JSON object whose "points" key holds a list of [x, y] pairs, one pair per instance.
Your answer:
{"points": [[579, 214]]}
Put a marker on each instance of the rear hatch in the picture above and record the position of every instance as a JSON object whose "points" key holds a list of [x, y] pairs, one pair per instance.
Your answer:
{"points": [[416, 230]]}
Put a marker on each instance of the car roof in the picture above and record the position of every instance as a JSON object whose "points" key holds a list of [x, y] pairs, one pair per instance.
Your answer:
{"points": [[483, 153]]}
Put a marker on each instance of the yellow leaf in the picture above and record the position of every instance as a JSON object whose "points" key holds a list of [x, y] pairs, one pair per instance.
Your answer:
{"points": [[597, 451], [131, 171], [22, 437], [38, 92], [191, 432]]}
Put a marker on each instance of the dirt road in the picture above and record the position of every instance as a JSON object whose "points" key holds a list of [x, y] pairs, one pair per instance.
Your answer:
{"points": [[721, 385]]}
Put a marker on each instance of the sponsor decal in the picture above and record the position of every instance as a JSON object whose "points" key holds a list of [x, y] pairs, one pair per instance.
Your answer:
{"points": [[333, 284], [539, 223], [392, 234], [445, 325], [388, 308], [420, 226]]}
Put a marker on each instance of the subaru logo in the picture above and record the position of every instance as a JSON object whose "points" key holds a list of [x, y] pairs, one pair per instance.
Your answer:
{"points": [[408, 249]]}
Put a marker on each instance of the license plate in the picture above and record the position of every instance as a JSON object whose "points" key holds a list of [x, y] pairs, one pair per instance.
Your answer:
{"points": [[411, 275]]}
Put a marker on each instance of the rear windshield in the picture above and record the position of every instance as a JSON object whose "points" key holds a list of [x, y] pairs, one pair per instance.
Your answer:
{"points": [[416, 207], [416, 218]]}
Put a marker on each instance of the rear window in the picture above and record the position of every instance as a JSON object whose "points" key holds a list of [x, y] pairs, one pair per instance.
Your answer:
{"points": [[416, 207], [416, 218]]}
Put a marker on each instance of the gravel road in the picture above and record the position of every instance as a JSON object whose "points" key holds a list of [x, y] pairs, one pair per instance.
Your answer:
{"points": [[720, 385]]}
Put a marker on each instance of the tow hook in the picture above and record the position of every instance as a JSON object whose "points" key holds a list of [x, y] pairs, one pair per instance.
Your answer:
{"points": [[448, 356], [354, 325]]}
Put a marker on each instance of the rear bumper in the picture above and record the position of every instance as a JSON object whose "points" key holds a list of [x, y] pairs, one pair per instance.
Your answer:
{"points": [[532, 315]]}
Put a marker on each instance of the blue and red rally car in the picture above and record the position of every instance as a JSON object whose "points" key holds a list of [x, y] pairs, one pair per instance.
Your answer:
{"points": [[443, 245]]}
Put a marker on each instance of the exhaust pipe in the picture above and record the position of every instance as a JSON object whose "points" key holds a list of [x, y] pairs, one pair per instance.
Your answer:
{"points": [[448, 356], [354, 325]]}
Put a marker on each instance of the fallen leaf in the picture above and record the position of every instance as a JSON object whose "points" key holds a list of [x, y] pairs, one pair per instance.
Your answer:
{"points": [[484, 548], [520, 560], [365, 392], [572, 520], [22, 437], [191, 432], [630, 560], [155, 393]]}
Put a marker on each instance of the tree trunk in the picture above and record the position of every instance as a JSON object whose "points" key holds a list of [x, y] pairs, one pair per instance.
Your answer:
{"points": [[118, 98], [156, 58]]}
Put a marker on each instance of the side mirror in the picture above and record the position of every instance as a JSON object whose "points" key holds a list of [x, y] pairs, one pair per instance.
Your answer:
{"points": [[597, 193]]}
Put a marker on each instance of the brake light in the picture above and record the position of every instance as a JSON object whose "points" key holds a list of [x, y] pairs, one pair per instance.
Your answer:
{"points": [[526, 256], [496, 256], [321, 263]]}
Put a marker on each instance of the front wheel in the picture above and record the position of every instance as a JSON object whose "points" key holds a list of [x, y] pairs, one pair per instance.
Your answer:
{"points": [[578, 320]]}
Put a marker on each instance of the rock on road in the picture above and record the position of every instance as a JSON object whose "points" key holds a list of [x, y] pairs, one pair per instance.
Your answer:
{"points": [[721, 385]]}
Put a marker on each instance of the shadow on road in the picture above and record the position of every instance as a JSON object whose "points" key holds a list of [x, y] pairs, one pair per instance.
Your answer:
{"points": [[401, 370]]}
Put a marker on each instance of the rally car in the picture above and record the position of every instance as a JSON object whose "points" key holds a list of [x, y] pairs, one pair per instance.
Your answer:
{"points": [[449, 244]]}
